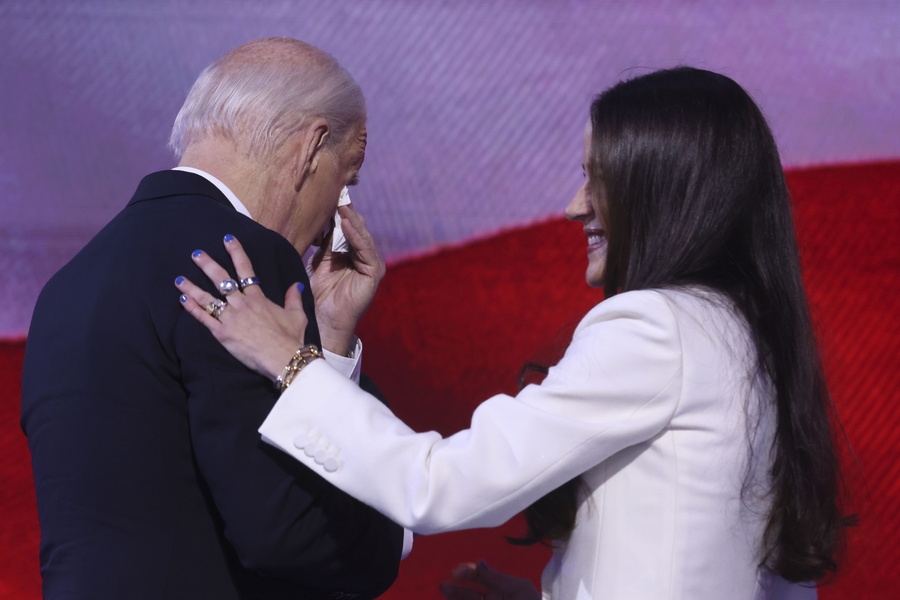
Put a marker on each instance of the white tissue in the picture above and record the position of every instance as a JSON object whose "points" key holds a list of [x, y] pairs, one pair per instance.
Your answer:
{"points": [[338, 241]]}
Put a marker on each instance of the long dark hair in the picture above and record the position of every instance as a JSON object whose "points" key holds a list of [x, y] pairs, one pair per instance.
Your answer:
{"points": [[696, 195]]}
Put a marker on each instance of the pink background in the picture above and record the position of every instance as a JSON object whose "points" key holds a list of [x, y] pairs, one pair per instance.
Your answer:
{"points": [[475, 107]]}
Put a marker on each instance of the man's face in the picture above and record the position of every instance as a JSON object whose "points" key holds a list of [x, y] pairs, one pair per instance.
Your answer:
{"points": [[316, 201], [351, 155]]}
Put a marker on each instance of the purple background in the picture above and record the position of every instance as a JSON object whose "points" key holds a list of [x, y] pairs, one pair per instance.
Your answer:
{"points": [[475, 107]]}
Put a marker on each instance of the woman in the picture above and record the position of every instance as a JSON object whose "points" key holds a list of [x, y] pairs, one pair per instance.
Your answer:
{"points": [[690, 408]]}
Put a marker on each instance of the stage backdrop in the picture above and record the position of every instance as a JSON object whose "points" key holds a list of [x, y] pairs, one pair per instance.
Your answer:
{"points": [[450, 329], [476, 110]]}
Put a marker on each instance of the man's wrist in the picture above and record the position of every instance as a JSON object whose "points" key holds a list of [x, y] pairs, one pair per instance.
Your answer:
{"points": [[342, 344]]}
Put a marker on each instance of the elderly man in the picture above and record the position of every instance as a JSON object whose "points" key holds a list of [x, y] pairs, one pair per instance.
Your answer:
{"points": [[151, 479]]}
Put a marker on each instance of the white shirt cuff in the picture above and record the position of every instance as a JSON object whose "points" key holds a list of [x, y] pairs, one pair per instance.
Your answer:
{"points": [[348, 366]]}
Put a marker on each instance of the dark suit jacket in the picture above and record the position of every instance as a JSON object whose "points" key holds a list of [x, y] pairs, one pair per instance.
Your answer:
{"points": [[152, 481]]}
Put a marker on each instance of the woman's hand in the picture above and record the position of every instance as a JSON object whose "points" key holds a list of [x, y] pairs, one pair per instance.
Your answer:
{"points": [[258, 332], [345, 283], [480, 582]]}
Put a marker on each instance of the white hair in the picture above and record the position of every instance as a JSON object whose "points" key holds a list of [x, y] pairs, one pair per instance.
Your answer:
{"points": [[257, 99]]}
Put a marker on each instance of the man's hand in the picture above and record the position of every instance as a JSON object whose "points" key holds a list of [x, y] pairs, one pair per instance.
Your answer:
{"points": [[345, 283], [480, 582]]}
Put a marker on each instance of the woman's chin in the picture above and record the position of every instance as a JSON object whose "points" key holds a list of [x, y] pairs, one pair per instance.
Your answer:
{"points": [[595, 280]]}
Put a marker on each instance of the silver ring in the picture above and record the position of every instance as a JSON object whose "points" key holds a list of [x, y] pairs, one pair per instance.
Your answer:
{"points": [[228, 285], [248, 281], [215, 307]]}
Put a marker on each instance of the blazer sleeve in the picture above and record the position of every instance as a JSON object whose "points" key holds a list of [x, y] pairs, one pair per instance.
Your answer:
{"points": [[618, 384], [281, 519]]}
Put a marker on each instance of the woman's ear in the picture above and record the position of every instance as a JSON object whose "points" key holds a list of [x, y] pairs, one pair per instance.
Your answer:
{"points": [[310, 145]]}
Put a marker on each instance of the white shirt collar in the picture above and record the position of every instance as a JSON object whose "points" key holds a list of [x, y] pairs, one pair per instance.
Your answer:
{"points": [[238, 205]]}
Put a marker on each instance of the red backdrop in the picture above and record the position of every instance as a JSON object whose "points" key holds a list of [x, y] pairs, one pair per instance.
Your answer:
{"points": [[451, 328]]}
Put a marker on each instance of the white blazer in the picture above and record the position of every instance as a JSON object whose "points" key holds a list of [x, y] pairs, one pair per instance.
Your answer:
{"points": [[655, 404]]}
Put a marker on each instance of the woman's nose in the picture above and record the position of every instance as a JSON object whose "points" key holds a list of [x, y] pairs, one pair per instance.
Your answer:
{"points": [[579, 208]]}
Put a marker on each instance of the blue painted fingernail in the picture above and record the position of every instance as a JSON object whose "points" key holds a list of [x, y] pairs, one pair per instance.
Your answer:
{"points": [[183, 298], [229, 238], [300, 287], [179, 280], [196, 253]]}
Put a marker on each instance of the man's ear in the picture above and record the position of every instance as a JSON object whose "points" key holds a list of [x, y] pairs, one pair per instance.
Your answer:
{"points": [[310, 146]]}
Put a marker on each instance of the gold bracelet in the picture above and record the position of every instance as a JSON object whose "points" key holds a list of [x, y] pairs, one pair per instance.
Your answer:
{"points": [[302, 357]]}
